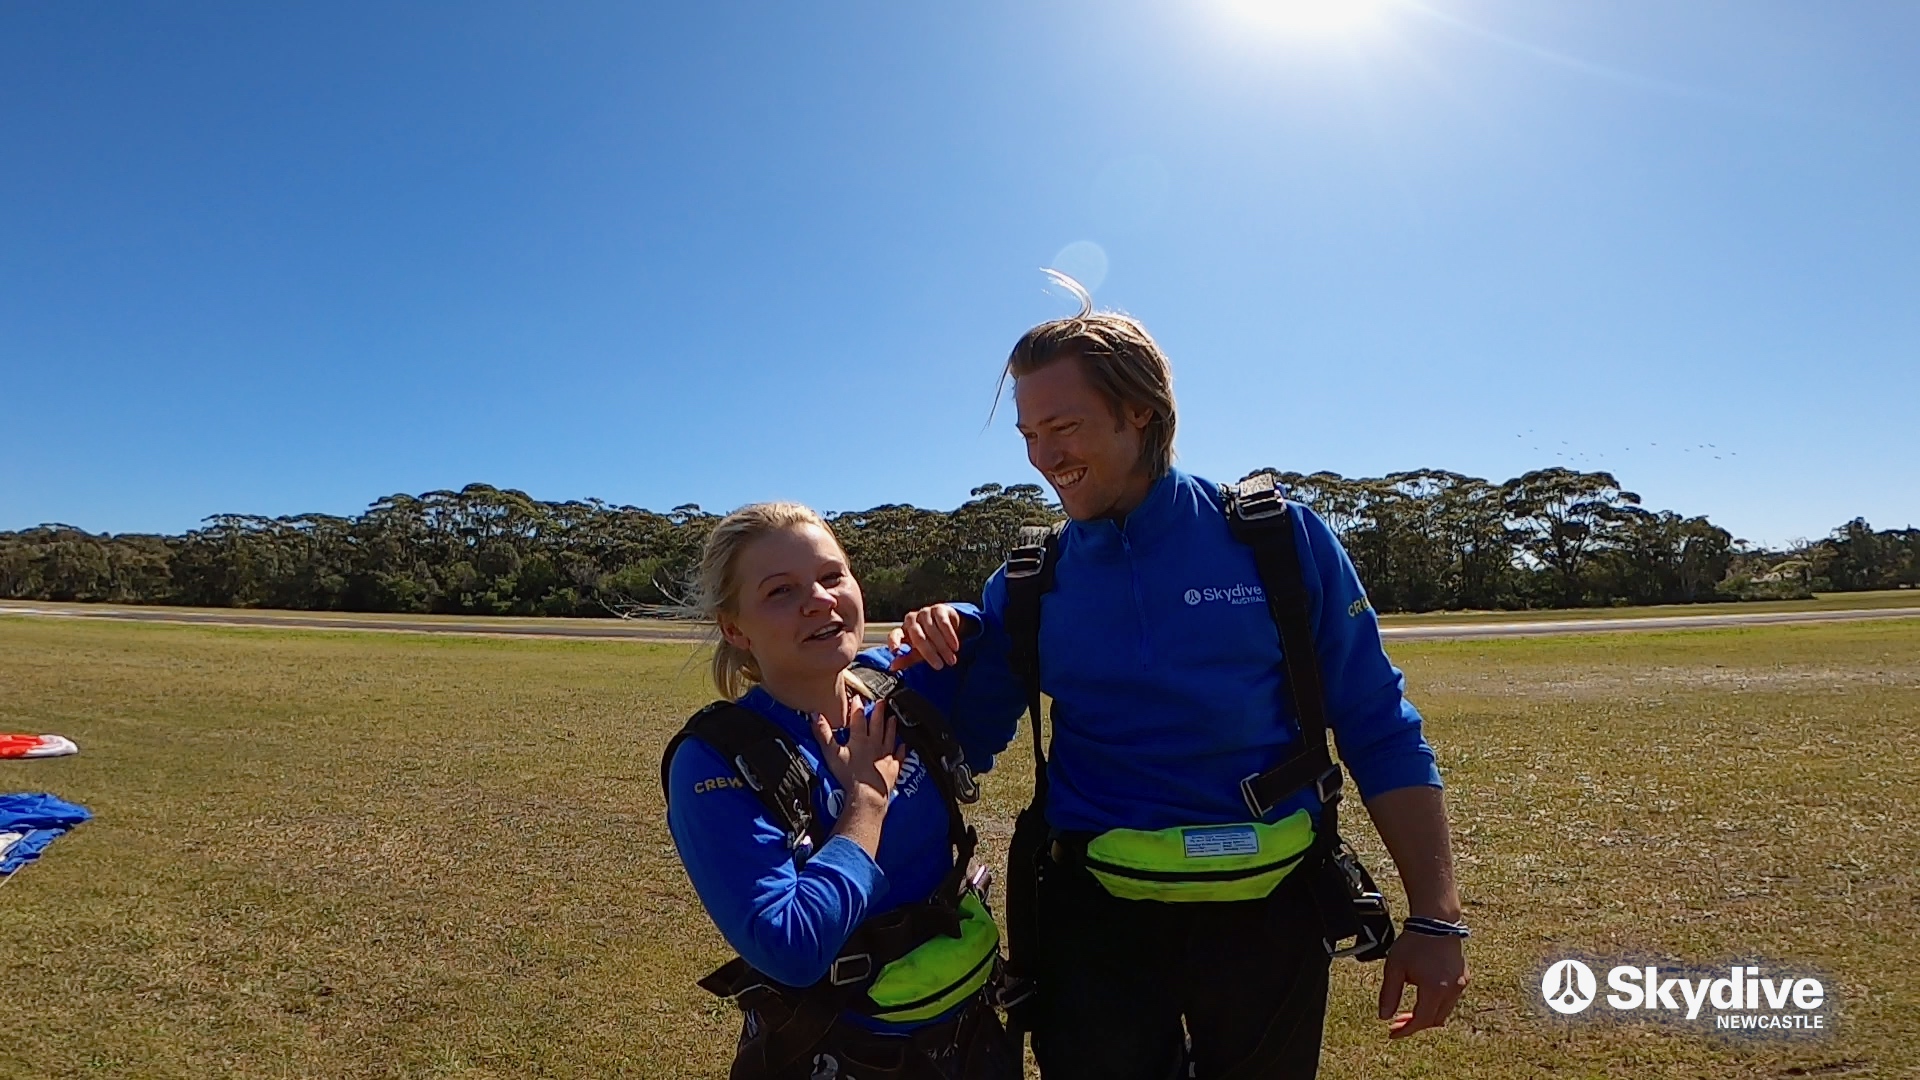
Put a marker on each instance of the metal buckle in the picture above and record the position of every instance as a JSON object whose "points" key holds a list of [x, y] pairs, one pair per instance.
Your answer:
{"points": [[886, 705], [746, 771], [1250, 799], [1013, 990], [1365, 939], [1374, 916], [1259, 498], [1328, 784], [1025, 561], [1326, 787], [801, 814], [965, 789], [980, 882], [839, 977]]}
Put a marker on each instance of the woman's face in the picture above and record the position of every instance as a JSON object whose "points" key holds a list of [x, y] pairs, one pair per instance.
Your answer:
{"points": [[800, 611]]}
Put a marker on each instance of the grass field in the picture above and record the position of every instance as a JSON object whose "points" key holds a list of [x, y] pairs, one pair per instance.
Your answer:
{"points": [[368, 855]]}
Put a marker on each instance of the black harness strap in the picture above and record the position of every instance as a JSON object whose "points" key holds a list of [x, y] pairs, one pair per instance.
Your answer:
{"points": [[766, 761], [926, 732], [764, 758], [1350, 903], [924, 729], [1258, 518], [1030, 568]]}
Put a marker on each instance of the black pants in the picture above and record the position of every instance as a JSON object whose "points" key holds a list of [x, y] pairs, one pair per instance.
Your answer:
{"points": [[1118, 977]]}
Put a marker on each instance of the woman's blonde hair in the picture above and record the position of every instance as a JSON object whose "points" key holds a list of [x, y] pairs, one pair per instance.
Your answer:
{"points": [[716, 589]]}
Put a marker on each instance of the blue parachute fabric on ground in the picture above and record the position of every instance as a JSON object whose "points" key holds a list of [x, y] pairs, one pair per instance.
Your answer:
{"points": [[42, 818]]}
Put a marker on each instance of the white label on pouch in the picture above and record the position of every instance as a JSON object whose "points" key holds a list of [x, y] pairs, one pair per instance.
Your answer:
{"points": [[1220, 840]]}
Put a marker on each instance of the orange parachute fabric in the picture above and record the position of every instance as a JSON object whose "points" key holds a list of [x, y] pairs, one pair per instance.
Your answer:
{"points": [[36, 746]]}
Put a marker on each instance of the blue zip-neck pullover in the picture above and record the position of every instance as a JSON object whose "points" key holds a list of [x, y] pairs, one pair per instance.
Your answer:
{"points": [[1164, 667], [789, 911]]}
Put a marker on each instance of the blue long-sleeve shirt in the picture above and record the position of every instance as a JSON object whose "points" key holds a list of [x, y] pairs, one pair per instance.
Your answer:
{"points": [[790, 911], [1165, 670]]}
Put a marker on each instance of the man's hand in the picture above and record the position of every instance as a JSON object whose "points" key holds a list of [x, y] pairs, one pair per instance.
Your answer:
{"points": [[933, 632], [1436, 967], [1413, 823]]}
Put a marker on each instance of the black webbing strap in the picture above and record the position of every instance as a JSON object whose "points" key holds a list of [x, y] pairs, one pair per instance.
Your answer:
{"points": [[874, 944], [787, 1025], [1029, 576], [766, 761], [797, 1018], [1344, 894], [1258, 517], [764, 758], [924, 728], [1030, 569]]}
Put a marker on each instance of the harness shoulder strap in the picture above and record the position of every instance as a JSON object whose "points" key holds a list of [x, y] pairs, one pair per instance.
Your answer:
{"points": [[764, 758], [924, 728], [1259, 518], [1030, 569], [1029, 575]]}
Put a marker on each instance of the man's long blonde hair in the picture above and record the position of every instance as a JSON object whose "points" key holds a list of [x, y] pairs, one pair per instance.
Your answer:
{"points": [[1122, 362]]}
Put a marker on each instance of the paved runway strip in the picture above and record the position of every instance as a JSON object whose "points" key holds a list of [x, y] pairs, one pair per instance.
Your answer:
{"points": [[689, 633], [1642, 624]]}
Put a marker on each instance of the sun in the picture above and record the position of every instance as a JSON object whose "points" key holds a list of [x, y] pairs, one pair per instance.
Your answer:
{"points": [[1306, 18]]}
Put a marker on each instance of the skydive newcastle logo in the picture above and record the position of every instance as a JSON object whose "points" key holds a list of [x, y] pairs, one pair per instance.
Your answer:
{"points": [[1568, 987], [1743, 999]]}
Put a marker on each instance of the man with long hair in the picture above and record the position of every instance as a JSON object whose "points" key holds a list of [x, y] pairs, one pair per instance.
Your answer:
{"points": [[1184, 919]]}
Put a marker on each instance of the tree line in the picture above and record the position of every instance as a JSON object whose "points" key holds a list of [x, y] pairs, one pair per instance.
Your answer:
{"points": [[1422, 540]]}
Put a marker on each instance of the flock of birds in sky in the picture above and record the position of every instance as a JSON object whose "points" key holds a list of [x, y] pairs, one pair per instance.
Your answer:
{"points": [[1572, 456]]}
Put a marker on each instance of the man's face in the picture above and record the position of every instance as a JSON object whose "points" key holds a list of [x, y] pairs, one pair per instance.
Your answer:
{"points": [[1089, 455]]}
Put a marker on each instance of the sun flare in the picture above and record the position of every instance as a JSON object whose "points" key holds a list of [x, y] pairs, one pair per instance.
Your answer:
{"points": [[1306, 18]]}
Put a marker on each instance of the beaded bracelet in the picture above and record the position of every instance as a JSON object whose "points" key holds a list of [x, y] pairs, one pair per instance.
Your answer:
{"points": [[1420, 924]]}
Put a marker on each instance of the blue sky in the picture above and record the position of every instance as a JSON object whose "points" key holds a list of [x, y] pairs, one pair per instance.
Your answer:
{"points": [[280, 258]]}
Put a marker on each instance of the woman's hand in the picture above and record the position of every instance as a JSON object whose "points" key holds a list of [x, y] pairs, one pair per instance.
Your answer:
{"points": [[866, 765], [934, 634]]}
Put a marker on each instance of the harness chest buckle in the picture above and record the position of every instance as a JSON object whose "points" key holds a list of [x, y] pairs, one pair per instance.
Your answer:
{"points": [[848, 970], [1247, 796], [1258, 498], [1023, 562], [1328, 784]]}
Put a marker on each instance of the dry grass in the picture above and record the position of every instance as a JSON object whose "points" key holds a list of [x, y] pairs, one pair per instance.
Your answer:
{"points": [[375, 855]]}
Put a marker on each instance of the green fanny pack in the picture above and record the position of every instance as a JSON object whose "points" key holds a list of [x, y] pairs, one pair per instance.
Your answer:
{"points": [[1200, 862], [942, 972]]}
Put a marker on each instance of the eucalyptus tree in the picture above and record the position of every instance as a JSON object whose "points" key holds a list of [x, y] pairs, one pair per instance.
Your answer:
{"points": [[1563, 519]]}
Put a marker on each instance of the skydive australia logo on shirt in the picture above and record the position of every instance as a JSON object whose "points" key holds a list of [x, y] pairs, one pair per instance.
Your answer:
{"points": [[1236, 594], [904, 785]]}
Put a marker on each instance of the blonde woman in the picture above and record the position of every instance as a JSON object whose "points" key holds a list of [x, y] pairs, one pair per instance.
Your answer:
{"points": [[816, 809]]}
